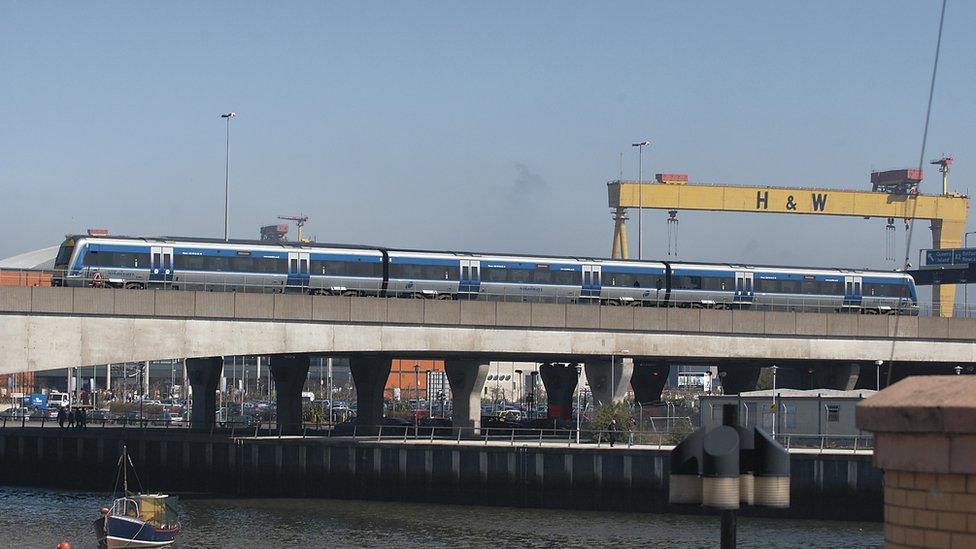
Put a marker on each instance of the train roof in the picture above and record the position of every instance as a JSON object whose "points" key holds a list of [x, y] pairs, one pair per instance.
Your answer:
{"points": [[364, 247]]}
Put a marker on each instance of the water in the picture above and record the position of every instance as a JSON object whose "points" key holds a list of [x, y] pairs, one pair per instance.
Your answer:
{"points": [[41, 518]]}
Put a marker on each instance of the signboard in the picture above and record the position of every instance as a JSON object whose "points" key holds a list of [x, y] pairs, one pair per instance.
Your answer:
{"points": [[952, 256], [38, 400]]}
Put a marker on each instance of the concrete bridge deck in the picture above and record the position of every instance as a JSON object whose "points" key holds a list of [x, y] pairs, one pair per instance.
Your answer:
{"points": [[48, 328]]}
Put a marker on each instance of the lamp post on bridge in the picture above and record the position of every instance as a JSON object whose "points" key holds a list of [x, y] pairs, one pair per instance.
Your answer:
{"points": [[579, 408], [227, 117], [877, 382], [640, 196], [416, 374], [775, 367]]}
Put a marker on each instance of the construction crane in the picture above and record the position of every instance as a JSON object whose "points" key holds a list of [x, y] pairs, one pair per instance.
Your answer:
{"points": [[300, 220], [946, 212]]}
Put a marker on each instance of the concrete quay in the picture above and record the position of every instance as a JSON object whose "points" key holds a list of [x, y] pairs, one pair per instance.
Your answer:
{"points": [[825, 485]]}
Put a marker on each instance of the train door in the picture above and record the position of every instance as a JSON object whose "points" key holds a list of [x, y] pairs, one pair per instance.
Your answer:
{"points": [[592, 282], [161, 265], [298, 272], [470, 282], [852, 291], [743, 287]]}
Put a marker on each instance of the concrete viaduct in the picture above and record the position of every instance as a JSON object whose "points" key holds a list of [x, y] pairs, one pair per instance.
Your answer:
{"points": [[49, 328]]}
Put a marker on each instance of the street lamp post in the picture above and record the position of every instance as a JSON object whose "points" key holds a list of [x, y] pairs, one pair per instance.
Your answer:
{"points": [[877, 372], [517, 387], [227, 117], [775, 367], [416, 374], [579, 407], [640, 196]]}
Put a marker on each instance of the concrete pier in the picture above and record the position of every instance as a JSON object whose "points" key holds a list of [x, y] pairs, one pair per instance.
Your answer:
{"points": [[467, 379], [649, 379], [609, 381], [560, 382], [369, 374], [289, 373], [204, 375]]}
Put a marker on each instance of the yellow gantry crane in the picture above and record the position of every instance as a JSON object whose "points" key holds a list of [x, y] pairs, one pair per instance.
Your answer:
{"points": [[946, 212]]}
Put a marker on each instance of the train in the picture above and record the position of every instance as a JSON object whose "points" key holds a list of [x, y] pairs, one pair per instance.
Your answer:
{"points": [[351, 270]]}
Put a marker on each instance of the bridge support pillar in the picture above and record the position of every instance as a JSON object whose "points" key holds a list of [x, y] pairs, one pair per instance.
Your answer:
{"points": [[289, 373], [203, 374], [369, 373], [560, 382], [738, 378], [467, 379], [648, 380], [608, 382]]}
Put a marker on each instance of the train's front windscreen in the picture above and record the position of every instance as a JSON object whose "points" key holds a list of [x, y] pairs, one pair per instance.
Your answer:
{"points": [[64, 255]]}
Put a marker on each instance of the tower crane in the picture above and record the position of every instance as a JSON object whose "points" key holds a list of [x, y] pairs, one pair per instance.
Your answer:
{"points": [[300, 220]]}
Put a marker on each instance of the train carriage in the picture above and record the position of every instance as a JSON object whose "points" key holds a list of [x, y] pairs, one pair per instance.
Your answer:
{"points": [[236, 265]]}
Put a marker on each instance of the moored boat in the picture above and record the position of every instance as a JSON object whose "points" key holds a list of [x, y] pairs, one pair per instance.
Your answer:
{"points": [[137, 519]]}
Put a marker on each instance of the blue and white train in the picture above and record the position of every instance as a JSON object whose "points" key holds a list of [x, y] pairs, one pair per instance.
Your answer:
{"points": [[327, 269]]}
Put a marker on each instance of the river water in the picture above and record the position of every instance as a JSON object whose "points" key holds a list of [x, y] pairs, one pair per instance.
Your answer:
{"points": [[41, 518]]}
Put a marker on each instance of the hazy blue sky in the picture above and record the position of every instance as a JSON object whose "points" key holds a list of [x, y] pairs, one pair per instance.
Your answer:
{"points": [[484, 126]]}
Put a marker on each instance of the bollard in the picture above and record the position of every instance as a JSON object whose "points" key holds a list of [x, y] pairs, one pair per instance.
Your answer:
{"points": [[720, 468], [772, 470]]}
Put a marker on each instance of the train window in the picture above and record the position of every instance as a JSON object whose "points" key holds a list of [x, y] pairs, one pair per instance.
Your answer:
{"points": [[293, 265], [129, 260], [716, 283], [885, 290], [633, 280], [156, 260], [790, 286], [304, 265], [765, 285], [493, 274], [689, 282], [424, 272], [465, 273], [566, 278], [830, 288], [809, 287], [189, 262], [370, 269]]}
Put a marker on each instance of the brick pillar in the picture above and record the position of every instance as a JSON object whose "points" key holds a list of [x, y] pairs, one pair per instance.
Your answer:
{"points": [[925, 440]]}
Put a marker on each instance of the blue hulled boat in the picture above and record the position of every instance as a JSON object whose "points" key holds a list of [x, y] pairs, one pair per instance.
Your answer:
{"points": [[136, 519]]}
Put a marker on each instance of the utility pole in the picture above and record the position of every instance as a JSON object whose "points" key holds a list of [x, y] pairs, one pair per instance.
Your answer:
{"points": [[640, 196], [227, 117]]}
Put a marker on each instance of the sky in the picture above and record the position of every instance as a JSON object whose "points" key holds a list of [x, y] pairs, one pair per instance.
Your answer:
{"points": [[483, 126]]}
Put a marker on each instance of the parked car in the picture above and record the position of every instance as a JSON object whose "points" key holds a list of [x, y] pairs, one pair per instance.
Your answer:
{"points": [[19, 412], [239, 421], [100, 415], [44, 413]]}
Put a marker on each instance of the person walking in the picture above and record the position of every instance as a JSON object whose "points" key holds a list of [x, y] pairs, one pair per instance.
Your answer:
{"points": [[71, 417], [62, 417], [82, 418], [612, 431]]}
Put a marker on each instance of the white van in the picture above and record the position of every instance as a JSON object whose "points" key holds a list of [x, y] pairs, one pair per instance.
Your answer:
{"points": [[58, 399]]}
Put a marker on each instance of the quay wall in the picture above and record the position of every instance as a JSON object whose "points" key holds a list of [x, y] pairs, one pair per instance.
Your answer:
{"points": [[824, 486]]}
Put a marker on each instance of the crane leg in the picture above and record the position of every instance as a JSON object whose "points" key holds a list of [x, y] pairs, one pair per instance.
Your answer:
{"points": [[945, 234]]}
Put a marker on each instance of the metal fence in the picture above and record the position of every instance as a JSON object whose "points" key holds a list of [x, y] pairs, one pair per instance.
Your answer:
{"points": [[510, 435]]}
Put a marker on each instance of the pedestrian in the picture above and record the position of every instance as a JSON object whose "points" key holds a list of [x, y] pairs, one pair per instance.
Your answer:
{"points": [[633, 427], [612, 431], [71, 417], [82, 418], [62, 416]]}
